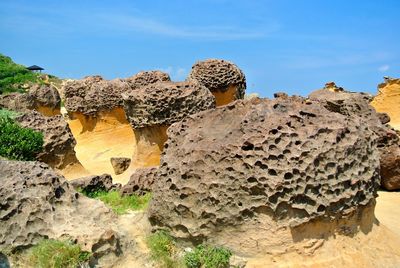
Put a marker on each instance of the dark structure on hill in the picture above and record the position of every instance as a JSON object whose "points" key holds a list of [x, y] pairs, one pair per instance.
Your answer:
{"points": [[35, 68]]}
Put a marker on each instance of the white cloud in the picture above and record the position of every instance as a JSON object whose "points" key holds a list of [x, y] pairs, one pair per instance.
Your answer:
{"points": [[176, 73], [384, 68]]}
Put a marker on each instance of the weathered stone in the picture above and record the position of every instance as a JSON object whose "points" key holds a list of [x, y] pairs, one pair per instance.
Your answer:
{"points": [[146, 78], [58, 149], [120, 164], [42, 98], [223, 78], [95, 183], [244, 174], [38, 204], [390, 167], [141, 182]]}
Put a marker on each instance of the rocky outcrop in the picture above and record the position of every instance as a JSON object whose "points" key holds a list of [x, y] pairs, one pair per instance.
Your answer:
{"points": [[152, 108], [223, 78], [120, 164], [387, 100], [357, 105], [37, 204], [146, 78], [95, 183], [252, 174], [42, 98], [141, 182], [58, 148]]}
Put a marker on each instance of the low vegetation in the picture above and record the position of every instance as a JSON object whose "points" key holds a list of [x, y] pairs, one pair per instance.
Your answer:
{"points": [[13, 76], [16, 142], [165, 252], [121, 204], [57, 254]]}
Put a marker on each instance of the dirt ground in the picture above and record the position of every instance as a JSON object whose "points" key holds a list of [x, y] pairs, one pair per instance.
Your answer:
{"points": [[387, 210]]}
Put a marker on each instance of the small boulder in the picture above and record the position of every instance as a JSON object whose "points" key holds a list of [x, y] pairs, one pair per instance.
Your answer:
{"points": [[120, 164], [140, 182], [92, 184]]}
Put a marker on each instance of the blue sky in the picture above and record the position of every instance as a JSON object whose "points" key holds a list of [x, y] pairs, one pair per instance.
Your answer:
{"points": [[294, 46]]}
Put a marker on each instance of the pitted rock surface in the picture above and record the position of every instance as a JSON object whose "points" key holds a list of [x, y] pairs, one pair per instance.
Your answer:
{"points": [[58, 148], [95, 183], [290, 159], [146, 78], [357, 105], [141, 182], [164, 103], [94, 94], [36, 204], [37, 96], [218, 75]]}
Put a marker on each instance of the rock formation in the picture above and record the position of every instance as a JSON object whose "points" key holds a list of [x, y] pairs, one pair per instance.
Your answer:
{"points": [[356, 105], [96, 183], [153, 108], [120, 164], [98, 120], [37, 204], [141, 181], [58, 148], [223, 78], [42, 98], [259, 176], [388, 100]]}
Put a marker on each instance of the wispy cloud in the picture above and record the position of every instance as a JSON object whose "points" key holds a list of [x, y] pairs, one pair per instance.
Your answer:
{"points": [[384, 68], [153, 26], [176, 73]]}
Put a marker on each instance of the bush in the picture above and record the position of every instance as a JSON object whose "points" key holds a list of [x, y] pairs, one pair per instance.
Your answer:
{"points": [[208, 257], [121, 204], [57, 254], [18, 143], [163, 249]]}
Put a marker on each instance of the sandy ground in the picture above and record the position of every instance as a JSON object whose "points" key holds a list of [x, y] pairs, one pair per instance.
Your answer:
{"points": [[387, 210]]}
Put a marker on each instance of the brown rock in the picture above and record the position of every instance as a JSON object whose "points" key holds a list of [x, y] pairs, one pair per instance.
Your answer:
{"points": [[244, 175], [37, 204], [120, 164], [42, 98], [141, 182], [95, 183], [390, 167], [58, 149], [223, 78], [146, 78]]}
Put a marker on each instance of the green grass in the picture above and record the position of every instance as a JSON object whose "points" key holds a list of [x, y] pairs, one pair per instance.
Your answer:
{"points": [[7, 113], [205, 256], [164, 250], [16, 142], [121, 204], [57, 254]]}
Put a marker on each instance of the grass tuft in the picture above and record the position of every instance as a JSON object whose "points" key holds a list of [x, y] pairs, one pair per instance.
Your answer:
{"points": [[121, 204], [205, 256], [57, 254]]}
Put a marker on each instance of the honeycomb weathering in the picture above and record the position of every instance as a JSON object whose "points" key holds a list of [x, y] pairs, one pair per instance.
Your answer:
{"points": [[164, 103], [288, 159], [219, 76], [145, 78]]}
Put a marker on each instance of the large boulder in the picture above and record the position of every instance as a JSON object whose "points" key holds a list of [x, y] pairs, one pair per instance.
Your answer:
{"points": [[354, 104], [256, 175], [38, 204], [42, 98], [95, 183], [58, 149], [223, 78], [146, 78], [387, 100]]}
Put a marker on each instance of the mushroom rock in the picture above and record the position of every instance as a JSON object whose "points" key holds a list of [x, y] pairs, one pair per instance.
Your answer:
{"points": [[388, 100], [120, 164], [99, 122], [265, 177], [38, 204], [42, 98], [357, 105], [153, 108], [223, 78], [58, 148]]}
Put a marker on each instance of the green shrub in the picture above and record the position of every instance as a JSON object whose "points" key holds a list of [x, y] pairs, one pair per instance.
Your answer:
{"points": [[208, 257], [121, 204], [18, 143], [57, 254], [163, 249]]}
